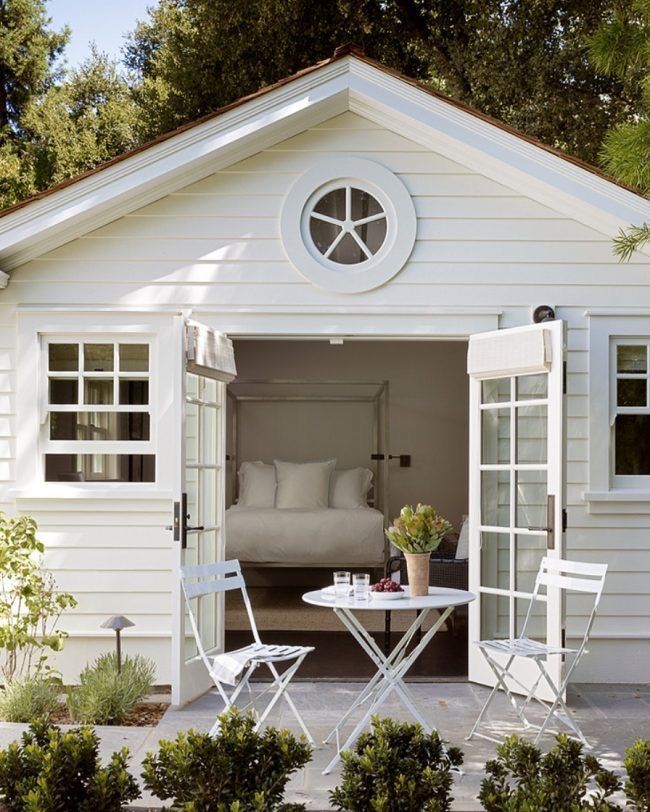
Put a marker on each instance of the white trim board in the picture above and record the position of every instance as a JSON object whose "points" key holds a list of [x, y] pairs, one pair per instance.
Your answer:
{"points": [[346, 84]]}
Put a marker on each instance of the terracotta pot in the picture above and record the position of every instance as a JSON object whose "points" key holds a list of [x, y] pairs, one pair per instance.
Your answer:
{"points": [[417, 569]]}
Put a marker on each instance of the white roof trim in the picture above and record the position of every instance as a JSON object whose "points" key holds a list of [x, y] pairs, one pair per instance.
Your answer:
{"points": [[346, 84]]}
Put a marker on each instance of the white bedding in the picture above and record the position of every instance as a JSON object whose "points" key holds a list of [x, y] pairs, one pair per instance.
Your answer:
{"points": [[329, 536]]}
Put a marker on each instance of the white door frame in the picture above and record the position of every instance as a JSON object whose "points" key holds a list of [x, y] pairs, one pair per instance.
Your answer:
{"points": [[189, 676], [555, 467]]}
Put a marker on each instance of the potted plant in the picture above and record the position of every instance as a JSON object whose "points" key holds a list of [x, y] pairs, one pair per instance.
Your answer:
{"points": [[417, 532]]}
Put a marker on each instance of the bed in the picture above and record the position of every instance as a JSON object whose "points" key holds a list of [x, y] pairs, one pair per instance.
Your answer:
{"points": [[305, 537]]}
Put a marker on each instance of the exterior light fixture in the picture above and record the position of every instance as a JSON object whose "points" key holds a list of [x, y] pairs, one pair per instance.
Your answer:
{"points": [[117, 623]]}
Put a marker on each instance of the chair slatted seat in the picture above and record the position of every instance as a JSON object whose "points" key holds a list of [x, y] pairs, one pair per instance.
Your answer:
{"points": [[572, 576], [224, 576]]}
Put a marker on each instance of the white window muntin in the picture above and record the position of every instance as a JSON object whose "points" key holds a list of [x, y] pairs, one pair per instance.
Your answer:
{"points": [[96, 446], [626, 481], [390, 193], [347, 225]]}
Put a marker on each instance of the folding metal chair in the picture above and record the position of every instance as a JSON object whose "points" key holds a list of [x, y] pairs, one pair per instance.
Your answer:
{"points": [[223, 577], [567, 575]]}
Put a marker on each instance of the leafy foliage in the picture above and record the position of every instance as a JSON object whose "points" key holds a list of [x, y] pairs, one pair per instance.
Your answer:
{"points": [[396, 767], [237, 770], [637, 764], [53, 771], [521, 779], [418, 530], [621, 47], [28, 53], [105, 696], [28, 699], [30, 606], [524, 63]]}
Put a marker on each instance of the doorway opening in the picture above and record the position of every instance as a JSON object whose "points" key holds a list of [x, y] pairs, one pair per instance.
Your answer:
{"points": [[396, 408]]}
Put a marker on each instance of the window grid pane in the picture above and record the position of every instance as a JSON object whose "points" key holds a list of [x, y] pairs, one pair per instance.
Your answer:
{"points": [[85, 381], [631, 402]]}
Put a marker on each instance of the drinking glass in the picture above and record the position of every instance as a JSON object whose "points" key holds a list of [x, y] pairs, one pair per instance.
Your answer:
{"points": [[361, 586], [341, 584]]}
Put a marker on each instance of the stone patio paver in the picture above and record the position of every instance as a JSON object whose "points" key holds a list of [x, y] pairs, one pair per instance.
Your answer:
{"points": [[611, 717]]}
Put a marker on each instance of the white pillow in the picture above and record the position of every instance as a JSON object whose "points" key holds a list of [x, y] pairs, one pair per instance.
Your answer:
{"points": [[256, 485], [462, 548], [303, 484], [349, 488]]}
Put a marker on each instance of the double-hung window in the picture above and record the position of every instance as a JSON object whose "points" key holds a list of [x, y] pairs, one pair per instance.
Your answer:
{"points": [[630, 408], [97, 425]]}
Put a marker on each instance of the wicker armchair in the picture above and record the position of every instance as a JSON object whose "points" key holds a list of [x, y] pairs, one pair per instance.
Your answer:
{"points": [[444, 570]]}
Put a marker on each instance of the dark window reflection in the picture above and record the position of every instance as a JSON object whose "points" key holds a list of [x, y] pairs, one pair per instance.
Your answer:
{"points": [[100, 468], [632, 445]]}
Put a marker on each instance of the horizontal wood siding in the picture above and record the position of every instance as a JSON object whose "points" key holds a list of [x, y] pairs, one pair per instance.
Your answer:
{"points": [[215, 246]]}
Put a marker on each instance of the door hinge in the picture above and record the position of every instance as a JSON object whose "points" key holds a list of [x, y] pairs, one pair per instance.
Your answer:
{"points": [[564, 377], [565, 520]]}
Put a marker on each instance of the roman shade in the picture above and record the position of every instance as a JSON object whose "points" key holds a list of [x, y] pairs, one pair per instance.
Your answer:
{"points": [[209, 353], [499, 355]]}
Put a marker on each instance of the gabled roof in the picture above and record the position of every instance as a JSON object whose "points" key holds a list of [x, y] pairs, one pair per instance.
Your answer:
{"points": [[347, 81]]}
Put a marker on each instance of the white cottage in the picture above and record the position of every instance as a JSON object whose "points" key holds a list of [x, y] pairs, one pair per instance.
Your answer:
{"points": [[344, 228]]}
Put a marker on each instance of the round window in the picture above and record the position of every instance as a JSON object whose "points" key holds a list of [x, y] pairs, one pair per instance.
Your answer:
{"points": [[348, 225]]}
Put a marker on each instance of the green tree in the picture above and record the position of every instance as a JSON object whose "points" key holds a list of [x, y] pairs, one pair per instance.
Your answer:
{"points": [[525, 63], [81, 122], [86, 119], [621, 47], [28, 53]]}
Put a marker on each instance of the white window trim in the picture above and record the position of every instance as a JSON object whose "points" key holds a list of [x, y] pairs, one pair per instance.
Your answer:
{"points": [[621, 494], [382, 184], [33, 332]]}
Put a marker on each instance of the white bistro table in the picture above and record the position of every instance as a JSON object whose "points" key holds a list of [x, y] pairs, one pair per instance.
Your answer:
{"points": [[391, 668]]}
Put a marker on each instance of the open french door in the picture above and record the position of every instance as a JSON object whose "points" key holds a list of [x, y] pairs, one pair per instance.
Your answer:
{"points": [[203, 366], [515, 489]]}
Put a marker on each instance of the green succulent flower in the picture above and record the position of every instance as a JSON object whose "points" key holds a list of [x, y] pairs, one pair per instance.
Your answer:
{"points": [[418, 530]]}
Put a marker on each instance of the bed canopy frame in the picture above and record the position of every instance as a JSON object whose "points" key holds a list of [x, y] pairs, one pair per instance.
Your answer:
{"points": [[303, 390]]}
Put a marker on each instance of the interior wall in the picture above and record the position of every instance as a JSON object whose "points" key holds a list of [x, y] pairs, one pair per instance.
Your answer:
{"points": [[428, 406]]}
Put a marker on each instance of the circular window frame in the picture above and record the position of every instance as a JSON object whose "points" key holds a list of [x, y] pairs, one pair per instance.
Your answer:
{"points": [[392, 196]]}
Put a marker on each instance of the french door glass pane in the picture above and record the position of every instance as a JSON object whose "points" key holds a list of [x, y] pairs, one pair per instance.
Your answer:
{"points": [[496, 390], [531, 422], [495, 560], [495, 616], [532, 386], [495, 445], [529, 551], [495, 498], [531, 498]]}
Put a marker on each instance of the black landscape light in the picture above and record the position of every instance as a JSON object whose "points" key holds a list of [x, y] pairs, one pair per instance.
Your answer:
{"points": [[117, 623]]}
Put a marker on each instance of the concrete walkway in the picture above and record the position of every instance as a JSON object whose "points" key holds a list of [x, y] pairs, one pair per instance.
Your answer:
{"points": [[611, 717]]}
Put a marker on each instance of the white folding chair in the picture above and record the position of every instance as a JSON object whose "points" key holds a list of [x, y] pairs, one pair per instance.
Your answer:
{"points": [[573, 576], [225, 576]]}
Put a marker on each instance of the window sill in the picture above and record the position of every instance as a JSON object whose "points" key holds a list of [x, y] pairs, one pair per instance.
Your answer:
{"points": [[618, 501], [89, 491]]}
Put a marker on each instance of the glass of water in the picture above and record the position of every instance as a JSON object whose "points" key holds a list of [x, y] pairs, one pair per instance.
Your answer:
{"points": [[341, 584], [361, 586]]}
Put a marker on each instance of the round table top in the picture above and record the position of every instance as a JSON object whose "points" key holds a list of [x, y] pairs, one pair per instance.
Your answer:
{"points": [[438, 598]]}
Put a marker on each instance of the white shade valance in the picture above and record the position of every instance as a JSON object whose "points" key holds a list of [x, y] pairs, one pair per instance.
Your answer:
{"points": [[209, 353], [499, 355]]}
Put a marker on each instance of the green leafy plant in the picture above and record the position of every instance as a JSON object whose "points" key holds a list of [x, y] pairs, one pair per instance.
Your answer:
{"points": [[55, 771], [238, 770], [637, 764], [397, 767], [30, 605], [418, 530], [29, 699], [521, 779], [106, 696]]}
